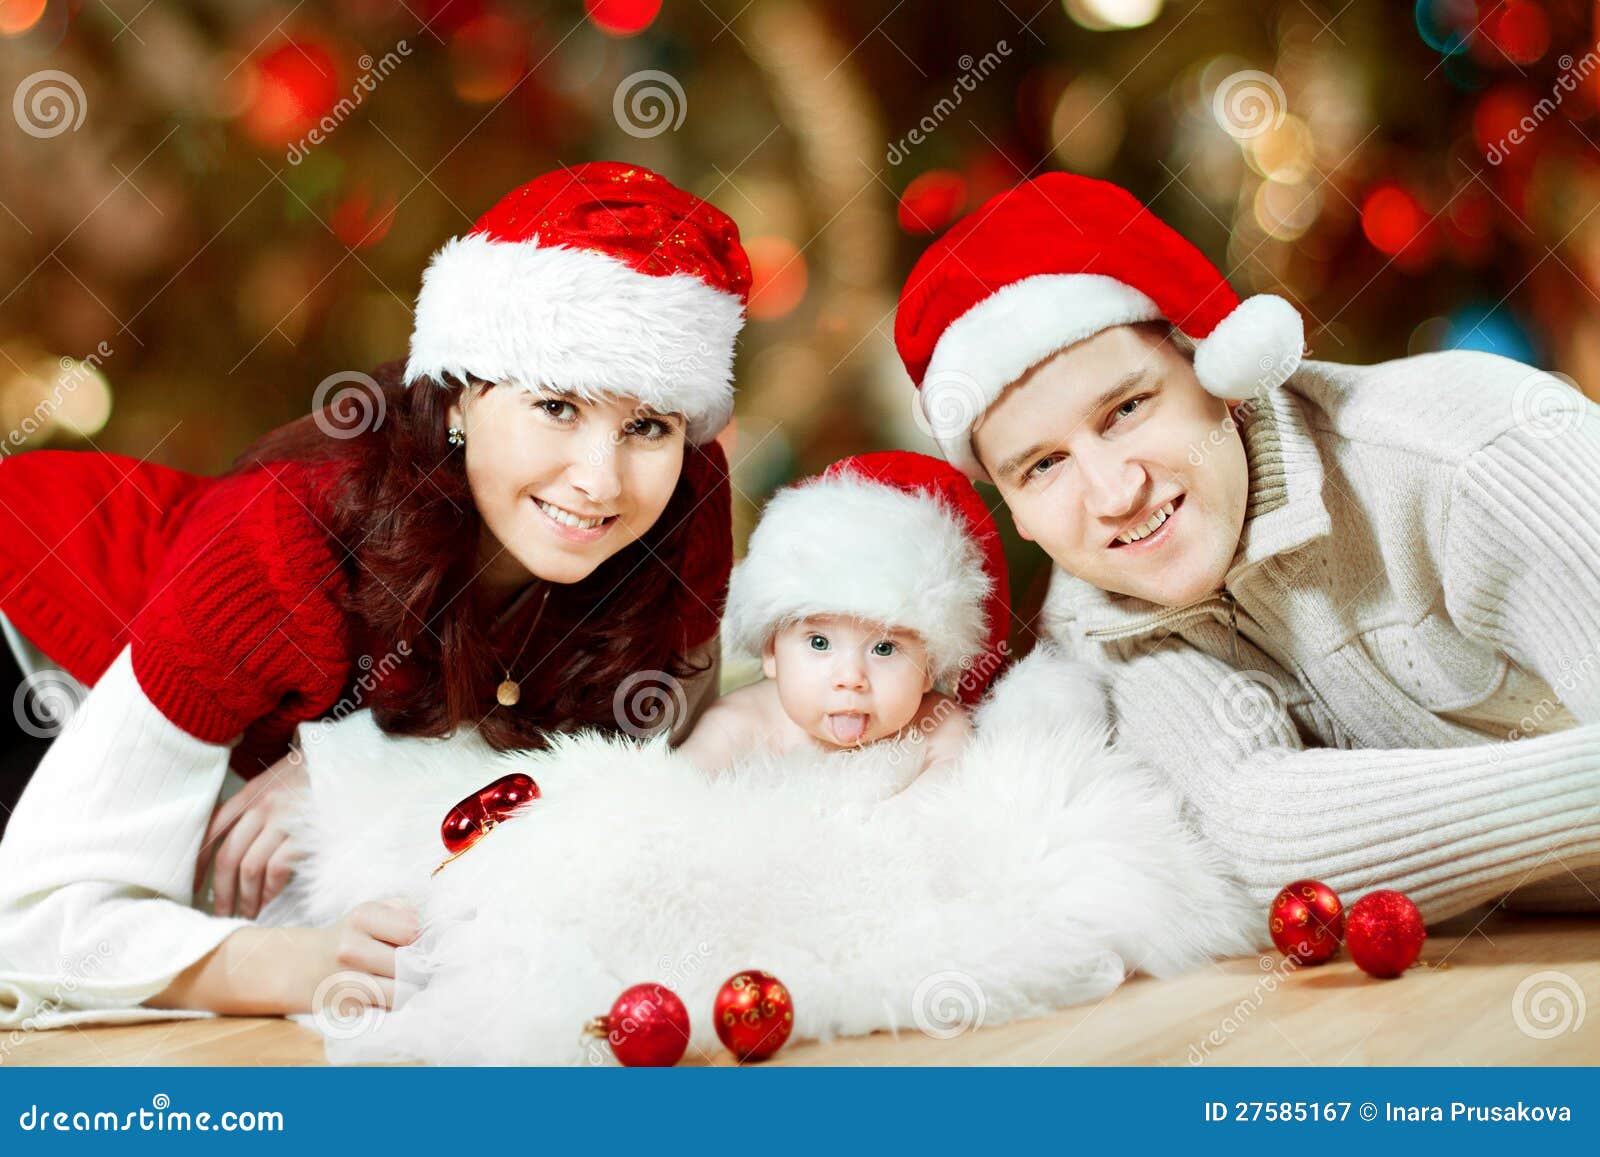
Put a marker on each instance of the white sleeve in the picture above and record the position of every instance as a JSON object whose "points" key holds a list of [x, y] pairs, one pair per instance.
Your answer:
{"points": [[97, 864]]}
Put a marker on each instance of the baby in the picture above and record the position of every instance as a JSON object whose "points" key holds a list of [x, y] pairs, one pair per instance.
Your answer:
{"points": [[876, 596]]}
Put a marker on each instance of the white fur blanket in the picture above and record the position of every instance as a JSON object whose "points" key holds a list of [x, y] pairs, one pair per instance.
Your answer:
{"points": [[1037, 872]]}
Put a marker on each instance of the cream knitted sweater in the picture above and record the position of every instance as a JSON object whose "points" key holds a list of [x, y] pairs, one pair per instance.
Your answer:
{"points": [[1399, 685]]}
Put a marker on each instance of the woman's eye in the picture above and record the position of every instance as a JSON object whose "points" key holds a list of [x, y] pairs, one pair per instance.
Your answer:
{"points": [[650, 429], [883, 650], [558, 408], [818, 642]]}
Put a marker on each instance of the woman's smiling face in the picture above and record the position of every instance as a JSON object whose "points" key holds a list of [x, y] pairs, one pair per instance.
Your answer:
{"points": [[1114, 459], [563, 483]]}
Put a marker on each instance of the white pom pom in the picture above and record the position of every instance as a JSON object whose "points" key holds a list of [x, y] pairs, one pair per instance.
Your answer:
{"points": [[1254, 348]]}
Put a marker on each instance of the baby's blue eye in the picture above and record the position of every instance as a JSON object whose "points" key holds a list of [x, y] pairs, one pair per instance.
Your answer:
{"points": [[883, 650], [818, 642]]}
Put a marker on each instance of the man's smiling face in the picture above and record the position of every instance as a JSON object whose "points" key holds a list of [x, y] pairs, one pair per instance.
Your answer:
{"points": [[1115, 460]]}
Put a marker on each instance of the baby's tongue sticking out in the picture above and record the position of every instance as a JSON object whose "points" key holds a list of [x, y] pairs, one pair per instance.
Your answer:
{"points": [[847, 728]]}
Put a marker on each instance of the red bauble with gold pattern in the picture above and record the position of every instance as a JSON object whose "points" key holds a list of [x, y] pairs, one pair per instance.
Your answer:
{"points": [[1306, 921], [647, 1027], [754, 1014], [1384, 933]]}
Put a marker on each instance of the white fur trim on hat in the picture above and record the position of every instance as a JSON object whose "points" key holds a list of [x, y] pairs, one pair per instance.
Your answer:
{"points": [[1004, 336], [579, 321], [851, 546], [997, 341], [1254, 348]]}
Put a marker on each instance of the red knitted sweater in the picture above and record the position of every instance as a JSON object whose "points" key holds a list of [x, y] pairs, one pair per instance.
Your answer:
{"points": [[229, 590]]}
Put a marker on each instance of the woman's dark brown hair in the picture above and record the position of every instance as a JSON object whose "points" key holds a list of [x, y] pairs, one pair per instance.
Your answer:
{"points": [[402, 506]]}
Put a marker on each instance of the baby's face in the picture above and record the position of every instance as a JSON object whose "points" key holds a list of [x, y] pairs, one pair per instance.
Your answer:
{"points": [[846, 682]]}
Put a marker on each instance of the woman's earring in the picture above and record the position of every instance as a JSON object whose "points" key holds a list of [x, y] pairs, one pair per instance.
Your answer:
{"points": [[456, 436]]}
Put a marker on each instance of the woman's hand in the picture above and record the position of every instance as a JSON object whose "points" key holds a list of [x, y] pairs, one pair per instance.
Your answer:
{"points": [[362, 947], [279, 971], [249, 834]]}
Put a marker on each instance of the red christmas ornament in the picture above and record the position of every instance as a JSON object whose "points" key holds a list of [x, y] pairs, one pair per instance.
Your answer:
{"points": [[475, 816], [1306, 921], [1384, 933], [647, 1027], [754, 1014]]}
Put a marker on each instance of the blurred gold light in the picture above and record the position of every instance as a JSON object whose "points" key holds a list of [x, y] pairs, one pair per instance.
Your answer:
{"points": [[79, 394], [1283, 154], [1087, 125], [1285, 212], [1103, 15]]}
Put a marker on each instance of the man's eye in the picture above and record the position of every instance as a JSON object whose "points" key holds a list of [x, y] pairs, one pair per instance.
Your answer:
{"points": [[883, 650], [1129, 406], [818, 642], [1043, 465]]}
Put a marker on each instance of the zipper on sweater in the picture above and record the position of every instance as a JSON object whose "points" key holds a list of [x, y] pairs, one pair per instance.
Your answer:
{"points": [[1233, 622]]}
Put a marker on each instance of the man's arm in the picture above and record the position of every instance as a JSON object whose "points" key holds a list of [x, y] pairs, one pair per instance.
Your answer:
{"points": [[1452, 828]]}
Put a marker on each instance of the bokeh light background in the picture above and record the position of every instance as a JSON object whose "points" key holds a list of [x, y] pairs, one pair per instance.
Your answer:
{"points": [[208, 209]]}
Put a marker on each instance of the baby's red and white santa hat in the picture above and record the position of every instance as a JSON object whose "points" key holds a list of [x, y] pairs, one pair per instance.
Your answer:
{"points": [[1052, 262], [896, 538], [601, 279]]}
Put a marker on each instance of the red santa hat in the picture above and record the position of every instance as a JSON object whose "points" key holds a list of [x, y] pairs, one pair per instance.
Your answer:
{"points": [[895, 538], [1054, 261], [602, 279]]}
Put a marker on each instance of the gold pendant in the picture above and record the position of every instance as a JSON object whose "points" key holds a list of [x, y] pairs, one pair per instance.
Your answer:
{"points": [[508, 693]]}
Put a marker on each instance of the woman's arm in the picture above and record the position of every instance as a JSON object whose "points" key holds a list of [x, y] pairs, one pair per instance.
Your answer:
{"points": [[97, 874]]}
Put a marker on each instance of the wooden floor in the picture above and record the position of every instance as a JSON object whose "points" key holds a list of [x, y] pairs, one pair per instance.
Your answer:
{"points": [[1495, 990]]}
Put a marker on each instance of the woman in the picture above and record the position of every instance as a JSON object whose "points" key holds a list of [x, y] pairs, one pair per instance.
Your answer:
{"points": [[530, 511]]}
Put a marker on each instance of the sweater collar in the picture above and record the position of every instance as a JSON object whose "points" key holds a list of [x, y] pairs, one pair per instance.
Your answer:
{"points": [[1284, 512]]}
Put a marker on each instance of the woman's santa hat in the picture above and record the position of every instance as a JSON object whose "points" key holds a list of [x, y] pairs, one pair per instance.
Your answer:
{"points": [[1052, 262], [895, 538], [601, 279]]}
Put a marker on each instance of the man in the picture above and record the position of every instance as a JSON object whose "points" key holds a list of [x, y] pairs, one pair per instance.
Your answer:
{"points": [[1353, 611]]}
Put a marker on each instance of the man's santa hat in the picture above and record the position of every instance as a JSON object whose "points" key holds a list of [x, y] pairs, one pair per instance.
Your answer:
{"points": [[601, 279], [1052, 262], [895, 538]]}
